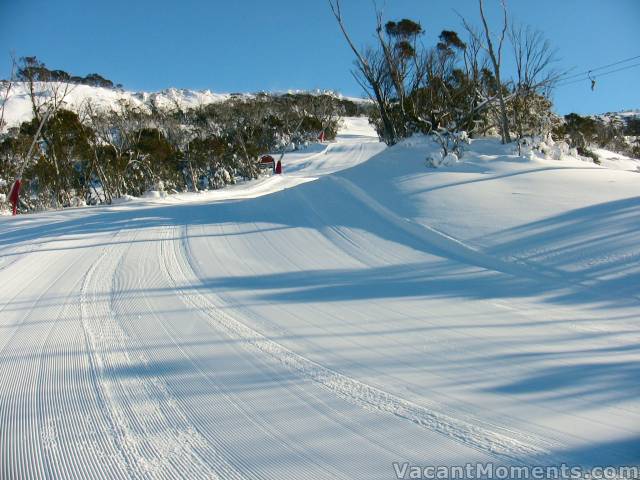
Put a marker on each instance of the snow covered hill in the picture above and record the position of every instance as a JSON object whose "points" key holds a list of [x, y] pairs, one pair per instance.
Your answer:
{"points": [[18, 105], [359, 310], [623, 115]]}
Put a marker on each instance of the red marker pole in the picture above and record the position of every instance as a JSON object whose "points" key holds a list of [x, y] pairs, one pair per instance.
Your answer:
{"points": [[14, 196]]}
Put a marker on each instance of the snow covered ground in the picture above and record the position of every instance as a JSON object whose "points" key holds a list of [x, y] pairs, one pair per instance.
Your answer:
{"points": [[359, 310]]}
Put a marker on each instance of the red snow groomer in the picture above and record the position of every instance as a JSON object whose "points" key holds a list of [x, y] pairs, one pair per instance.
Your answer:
{"points": [[267, 162]]}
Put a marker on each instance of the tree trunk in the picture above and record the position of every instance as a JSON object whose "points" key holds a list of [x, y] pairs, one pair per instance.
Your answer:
{"points": [[496, 60]]}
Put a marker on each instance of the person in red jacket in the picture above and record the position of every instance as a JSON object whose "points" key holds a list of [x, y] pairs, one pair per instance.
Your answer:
{"points": [[14, 196], [279, 167]]}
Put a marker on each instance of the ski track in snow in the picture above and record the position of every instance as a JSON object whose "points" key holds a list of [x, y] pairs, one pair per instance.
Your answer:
{"points": [[510, 445], [155, 436]]}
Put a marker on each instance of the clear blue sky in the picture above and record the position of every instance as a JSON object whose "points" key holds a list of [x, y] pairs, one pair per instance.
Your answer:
{"points": [[251, 45]]}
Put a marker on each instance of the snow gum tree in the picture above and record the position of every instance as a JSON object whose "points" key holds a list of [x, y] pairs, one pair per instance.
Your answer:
{"points": [[459, 84]]}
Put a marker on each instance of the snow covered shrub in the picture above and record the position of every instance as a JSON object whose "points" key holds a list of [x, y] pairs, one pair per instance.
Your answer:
{"points": [[451, 148], [578, 131], [611, 131], [437, 159], [77, 202], [526, 146], [547, 147], [530, 115], [553, 150], [221, 178], [3, 195], [154, 194], [585, 152]]}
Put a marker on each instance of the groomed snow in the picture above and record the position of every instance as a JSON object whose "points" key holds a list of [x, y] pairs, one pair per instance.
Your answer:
{"points": [[359, 310]]}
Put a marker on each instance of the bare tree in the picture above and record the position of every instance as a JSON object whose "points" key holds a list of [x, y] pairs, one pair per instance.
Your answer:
{"points": [[474, 64], [370, 74], [534, 58], [7, 85], [495, 54], [534, 79]]}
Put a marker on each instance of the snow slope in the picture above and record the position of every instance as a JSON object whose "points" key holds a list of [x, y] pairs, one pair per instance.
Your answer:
{"points": [[359, 310], [18, 104]]}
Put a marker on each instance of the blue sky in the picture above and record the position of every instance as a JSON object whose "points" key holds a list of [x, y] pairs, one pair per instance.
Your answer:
{"points": [[251, 45]]}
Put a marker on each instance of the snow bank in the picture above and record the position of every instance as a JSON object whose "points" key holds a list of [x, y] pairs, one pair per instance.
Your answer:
{"points": [[123, 199], [155, 194], [617, 161]]}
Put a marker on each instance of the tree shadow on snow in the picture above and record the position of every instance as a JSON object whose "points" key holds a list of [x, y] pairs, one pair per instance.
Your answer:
{"points": [[548, 248]]}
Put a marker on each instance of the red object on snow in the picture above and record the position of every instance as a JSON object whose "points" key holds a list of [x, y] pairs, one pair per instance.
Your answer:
{"points": [[14, 195], [279, 168], [267, 161], [321, 136]]}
